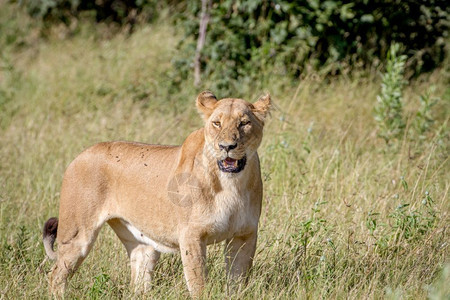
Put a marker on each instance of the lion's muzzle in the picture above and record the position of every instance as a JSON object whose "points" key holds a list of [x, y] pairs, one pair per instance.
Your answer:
{"points": [[231, 165]]}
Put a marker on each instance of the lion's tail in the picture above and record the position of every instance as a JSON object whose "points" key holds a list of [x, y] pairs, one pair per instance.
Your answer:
{"points": [[49, 236]]}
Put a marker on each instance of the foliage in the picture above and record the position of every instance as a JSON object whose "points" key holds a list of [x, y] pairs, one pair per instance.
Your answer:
{"points": [[388, 111], [100, 286], [255, 41], [389, 108], [424, 119], [405, 224], [410, 223], [247, 40], [120, 11]]}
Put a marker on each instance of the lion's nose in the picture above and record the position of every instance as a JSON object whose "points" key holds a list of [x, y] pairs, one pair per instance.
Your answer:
{"points": [[227, 147]]}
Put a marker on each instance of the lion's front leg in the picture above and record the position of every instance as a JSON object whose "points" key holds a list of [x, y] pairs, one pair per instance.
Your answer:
{"points": [[193, 256], [239, 253]]}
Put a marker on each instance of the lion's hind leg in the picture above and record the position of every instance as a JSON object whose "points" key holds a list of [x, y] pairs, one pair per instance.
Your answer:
{"points": [[70, 255], [143, 257]]}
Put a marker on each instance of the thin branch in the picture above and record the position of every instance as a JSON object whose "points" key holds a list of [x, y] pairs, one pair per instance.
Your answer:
{"points": [[204, 19]]}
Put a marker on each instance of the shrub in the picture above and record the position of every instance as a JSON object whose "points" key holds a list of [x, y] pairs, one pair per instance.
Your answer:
{"points": [[424, 119], [246, 39], [120, 11], [389, 108]]}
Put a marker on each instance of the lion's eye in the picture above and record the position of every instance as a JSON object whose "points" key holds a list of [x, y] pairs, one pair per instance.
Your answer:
{"points": [[216, 124], [243, 123]]}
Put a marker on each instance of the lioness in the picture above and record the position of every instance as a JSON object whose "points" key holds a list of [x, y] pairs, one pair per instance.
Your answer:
{"points": [[167, 198]]}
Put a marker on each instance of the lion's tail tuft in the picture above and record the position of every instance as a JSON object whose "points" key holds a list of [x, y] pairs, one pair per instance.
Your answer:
{"points": [[49, 236]]}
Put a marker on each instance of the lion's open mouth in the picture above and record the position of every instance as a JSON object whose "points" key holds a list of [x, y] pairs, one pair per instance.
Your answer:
{"points": [[231, 165]]}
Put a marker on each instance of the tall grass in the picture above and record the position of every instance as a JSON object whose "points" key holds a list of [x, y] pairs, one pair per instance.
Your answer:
{"points": [[343, 215]]}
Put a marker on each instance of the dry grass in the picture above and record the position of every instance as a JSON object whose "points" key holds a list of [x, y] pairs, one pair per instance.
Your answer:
{"points": [[331, 225]]}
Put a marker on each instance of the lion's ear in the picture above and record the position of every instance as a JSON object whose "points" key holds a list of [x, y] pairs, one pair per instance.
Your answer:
{"points": [[206, 102], [261, 108]]}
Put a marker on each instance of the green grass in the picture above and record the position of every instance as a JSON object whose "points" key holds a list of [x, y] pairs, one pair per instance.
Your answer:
{"points": [[344, 215]]}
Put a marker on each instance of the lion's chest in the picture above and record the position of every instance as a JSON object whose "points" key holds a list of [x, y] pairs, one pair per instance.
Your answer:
{"points": [[233, 214]]}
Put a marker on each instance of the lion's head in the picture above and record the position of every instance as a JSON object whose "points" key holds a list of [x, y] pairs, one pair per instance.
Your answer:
{"points": [[233, 128]]}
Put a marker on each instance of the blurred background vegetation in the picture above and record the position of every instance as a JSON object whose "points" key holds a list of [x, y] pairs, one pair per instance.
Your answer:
{"points": [[257, 40]]}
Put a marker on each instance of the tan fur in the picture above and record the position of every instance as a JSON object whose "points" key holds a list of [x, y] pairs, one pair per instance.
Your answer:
{"points": [[167, 198]]}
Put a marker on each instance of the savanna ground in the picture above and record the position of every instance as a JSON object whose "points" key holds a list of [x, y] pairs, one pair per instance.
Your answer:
{"points": [[344, 215]]}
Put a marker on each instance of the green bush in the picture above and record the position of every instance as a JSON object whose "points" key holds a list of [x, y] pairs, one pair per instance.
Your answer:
{"points": [[424, 119], [252, 41], [120, 11], [246, 39], [389, 108]]}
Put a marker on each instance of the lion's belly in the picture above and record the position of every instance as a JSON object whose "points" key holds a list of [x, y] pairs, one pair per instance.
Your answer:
{"points": [[143, 239], [129, 233]]}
